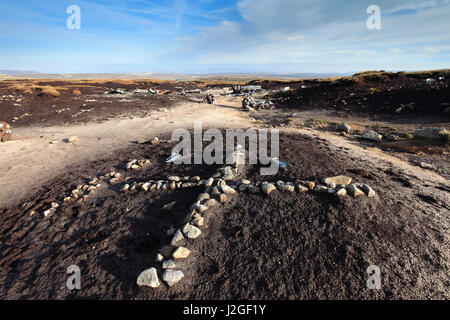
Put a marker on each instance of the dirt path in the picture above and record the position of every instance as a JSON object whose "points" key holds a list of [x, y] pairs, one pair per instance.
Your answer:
{"points": [[33, 161], [287, 246]]}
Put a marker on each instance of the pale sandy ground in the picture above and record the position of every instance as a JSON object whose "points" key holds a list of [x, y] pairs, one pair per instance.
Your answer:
{"points": [[31, 162]]}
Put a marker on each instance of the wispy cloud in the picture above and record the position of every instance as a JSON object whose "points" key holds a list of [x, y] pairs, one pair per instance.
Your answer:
{"points": [[224, 35]]}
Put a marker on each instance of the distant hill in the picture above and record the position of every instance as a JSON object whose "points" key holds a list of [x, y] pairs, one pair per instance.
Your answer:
{"points": [[15, 73], [167, 76]]}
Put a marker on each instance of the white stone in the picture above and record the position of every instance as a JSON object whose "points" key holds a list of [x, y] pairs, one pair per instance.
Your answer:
{"points": [[191, 232], [172, 277], [169, 264], [148, 278]]}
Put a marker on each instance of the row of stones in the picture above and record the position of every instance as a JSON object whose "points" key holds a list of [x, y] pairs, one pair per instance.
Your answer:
{"points": [[339, 186], [83, 191], [216, 191]]}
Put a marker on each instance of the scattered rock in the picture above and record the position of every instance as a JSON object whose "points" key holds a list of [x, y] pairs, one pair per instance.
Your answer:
{"points": [[198, 222], [341, 192], [181, 253], [302, 188], [427, 133], [228, 190], [159, 258], [169, 206], [191, 232], [177, 237], [148, 278], [209, 182], [172, 277], [311, 185], [426, 166], [368, 190], [201, 208], [342, 180], [146, 186], [169, 264], [73, 139], [287, 188], [222, 198], [268, 188], [353, 190], [372, 135], [321, 189]]}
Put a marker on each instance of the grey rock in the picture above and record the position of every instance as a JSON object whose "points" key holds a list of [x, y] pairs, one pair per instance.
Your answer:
{"points": [[148, 278], [177, 237], [191, 232], [169, 206], [172, 276], [320, 188], [169, 264], [368, 190], [267, 188], [203, 196], [159, 258], [343, 127], [287, 188], [216, 191], [201, 208], [353, 190], [243, 187], [228, 190], [392, 137]]}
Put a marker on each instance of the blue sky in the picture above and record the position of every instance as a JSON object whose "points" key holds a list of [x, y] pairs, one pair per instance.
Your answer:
{"points": [[207, 36]]}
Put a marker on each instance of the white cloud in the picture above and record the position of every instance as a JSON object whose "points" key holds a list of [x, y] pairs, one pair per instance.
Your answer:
{"points": [[304, 34]]}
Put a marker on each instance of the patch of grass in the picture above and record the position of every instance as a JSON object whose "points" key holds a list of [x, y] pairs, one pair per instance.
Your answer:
{"points": [[49, 90]]}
